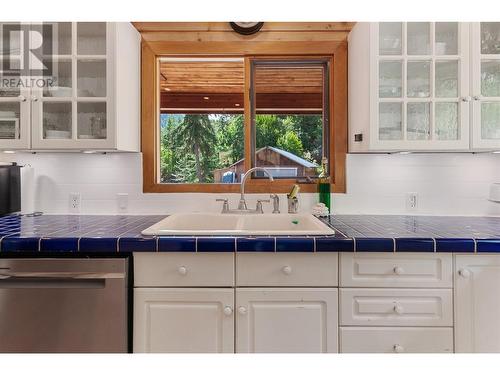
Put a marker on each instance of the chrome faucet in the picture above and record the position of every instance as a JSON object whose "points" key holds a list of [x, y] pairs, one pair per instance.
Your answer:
{"points": [[243, 204]]}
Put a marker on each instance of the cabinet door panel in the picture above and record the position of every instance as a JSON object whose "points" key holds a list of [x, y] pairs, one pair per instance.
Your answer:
{"points": [[477, 303], [397, 270], [428, 108], [168, 320], [486, 85], [396, 307], [286, 320]]}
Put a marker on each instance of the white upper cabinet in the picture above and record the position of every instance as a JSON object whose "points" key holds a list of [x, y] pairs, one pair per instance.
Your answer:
{"points": [[93, 102], [486, 85], [423, 86]]}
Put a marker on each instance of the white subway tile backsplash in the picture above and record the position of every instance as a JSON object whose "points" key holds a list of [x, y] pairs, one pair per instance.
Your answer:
{"points": [[447, 184]]}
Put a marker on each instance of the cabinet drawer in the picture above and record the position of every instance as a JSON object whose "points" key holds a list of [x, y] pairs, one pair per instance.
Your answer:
{"points": [[396, 307], [396, 340], [286, 269], [183, 269], [405, 270]]}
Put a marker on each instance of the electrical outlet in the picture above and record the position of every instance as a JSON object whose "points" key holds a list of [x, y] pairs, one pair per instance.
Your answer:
{"points": [[122, 199], [411, 201], [75, 200]]}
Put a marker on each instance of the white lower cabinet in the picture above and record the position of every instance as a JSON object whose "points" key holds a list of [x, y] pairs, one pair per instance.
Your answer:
{"points": [[396, 340], [477, 303], [293, 303], [183, 320], [286, 320]]}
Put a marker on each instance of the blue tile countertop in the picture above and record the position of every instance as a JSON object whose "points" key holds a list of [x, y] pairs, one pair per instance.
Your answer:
{"points": [[87, 234]]}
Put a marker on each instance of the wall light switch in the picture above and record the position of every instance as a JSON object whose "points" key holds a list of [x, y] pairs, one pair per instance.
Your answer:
{"points": [[122, 199]]}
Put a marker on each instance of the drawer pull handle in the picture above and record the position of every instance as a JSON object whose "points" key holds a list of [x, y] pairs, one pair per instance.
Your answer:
{"points": [[398, 270], [287, 270], [228, 310], [182, 270], [242, 310], [398, 309], [465, 273], [398, 348]]}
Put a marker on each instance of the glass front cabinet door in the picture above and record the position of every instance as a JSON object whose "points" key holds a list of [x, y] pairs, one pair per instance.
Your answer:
{"points": [[419, 86], [76, 110], [92, 84], [14, 99], [486, 85]]}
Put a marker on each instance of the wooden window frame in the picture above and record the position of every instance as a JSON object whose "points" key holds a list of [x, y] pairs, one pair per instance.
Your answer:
{"points": [[153, 50]]}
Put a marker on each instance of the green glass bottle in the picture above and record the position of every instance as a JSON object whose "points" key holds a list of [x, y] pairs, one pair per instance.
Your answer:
{"points": [[324, 184]]}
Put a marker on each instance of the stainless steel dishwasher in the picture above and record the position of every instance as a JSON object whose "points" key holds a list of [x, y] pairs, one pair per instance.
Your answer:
{"points": [[63, 305]]}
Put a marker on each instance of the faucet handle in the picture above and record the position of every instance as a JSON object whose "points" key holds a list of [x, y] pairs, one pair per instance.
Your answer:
{"points": [[225, 206], [258, 208]]}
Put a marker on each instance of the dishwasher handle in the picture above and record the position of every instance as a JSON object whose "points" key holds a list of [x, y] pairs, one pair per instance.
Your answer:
{"points": [[62, 275]]}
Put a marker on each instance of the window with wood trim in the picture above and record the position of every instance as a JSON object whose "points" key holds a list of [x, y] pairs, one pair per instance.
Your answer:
{"points": [[202, 110], [209, 116]]}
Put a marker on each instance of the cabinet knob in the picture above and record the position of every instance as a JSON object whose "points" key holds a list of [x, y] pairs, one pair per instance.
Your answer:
{"points": [[242, 310], [22, 98], [287, 270], [34, 98], [466, 98], [398, 270], [228, 310], [398, 309], [182, 270], [477, 97], [398, 348], [465, 273]]}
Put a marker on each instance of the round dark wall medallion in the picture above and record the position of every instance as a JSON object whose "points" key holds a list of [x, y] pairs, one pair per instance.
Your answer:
{"points": [[246, 28]]}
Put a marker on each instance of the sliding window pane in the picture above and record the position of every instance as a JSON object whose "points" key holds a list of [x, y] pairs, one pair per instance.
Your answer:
{"points": [[289, 118], [201, 120]]}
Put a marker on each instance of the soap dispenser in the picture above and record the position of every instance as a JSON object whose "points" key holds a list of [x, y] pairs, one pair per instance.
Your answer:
{"points": [[324, 184]]}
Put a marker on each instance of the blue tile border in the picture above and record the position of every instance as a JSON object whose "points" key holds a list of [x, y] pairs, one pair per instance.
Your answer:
{"points": [[59, 245], [374, 244], [295, 244], [257, 244], [98, 245], [455, 245], [136, 244], [14, 244], [425, 245], [488, 245], [177, 244], [216, 244], [334, 244]]}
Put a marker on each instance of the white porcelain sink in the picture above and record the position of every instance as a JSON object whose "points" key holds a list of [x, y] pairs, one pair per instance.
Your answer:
{"points": [[206, 224]]}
